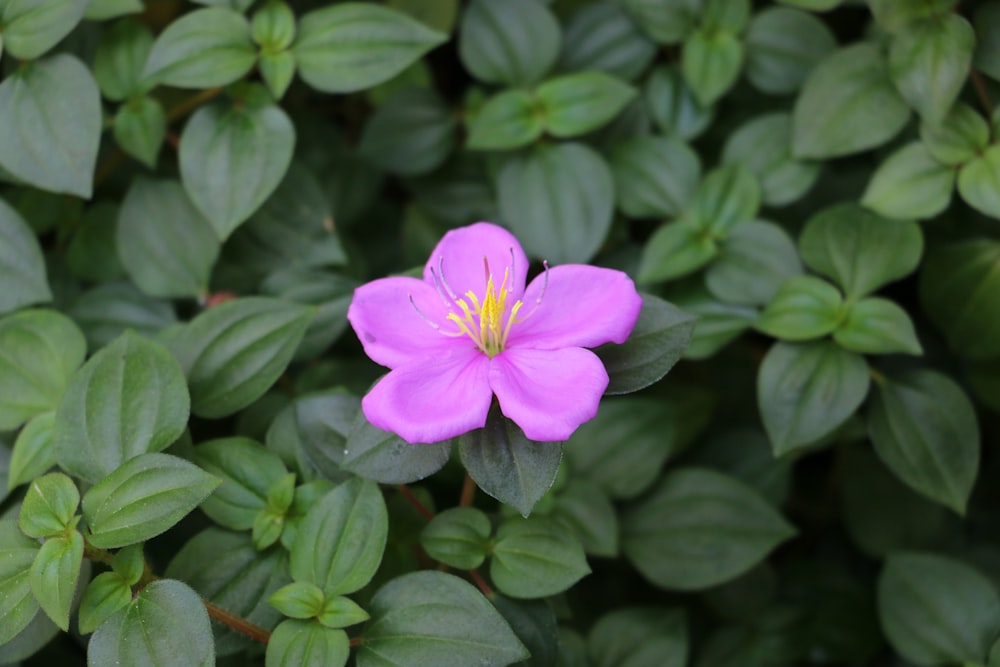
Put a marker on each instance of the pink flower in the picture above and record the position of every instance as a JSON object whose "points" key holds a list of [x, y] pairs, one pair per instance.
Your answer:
{"points": [[470, 330]]}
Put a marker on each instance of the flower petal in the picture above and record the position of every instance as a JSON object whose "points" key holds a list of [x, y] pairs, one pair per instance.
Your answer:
{"points": [[582, 306], [391, 329], [459, 258], [432, 400], [548, 393]]}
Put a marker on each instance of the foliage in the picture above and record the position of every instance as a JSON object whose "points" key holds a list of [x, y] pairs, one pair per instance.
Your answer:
{"points": [[790, 464]]}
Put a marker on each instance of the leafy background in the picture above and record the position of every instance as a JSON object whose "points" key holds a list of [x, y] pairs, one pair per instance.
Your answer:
{"points": [[806, 192]]}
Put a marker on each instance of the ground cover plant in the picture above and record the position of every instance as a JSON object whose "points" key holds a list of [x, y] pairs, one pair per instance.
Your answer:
{"points": [[619, 333]]}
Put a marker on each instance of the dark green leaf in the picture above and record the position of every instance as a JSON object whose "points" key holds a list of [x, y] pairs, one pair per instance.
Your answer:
{"points": [[458, 537], [92, 254], [514, 44], [673, 106], [506, 465], [54, 573], [329, 292], [756, 259], [31, 28], [589, 514], [715, 323], [39, 352], [120, 57], [339, 544], [43, 141], [860, 250], [711, 62], [202, 49], [675, 250], [232, 158], [847, 105], [640, 637], [183, 636], [910, 185], [507, 120], [987, 56], [341, 612], [464, 628], [805, 391], [107, 594], [937, 610], [700, 528], [100, 10], [979, 182], [22, 267], [728, 196], [142, 498], [603, 37], [534, 623], [924, 428], [307, 644], [665, 22], [322, 423], [384, 457], [49, 506], [575, 104], [353, 46], [140, 127], [536, 557], [17, 605], [33, 452], [247, 470], [558, 199], [783, 45], [106, 311], [413, 132], [803, 308], [128, 399], [654, 176], [233, 352], [877, 326], [960, 137], [165, 244], [277, 70]]}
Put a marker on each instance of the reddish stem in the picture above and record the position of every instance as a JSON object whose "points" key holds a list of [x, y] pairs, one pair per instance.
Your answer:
{"points": [[484, 587], [237, 623], [419, 506], [468, 492]]}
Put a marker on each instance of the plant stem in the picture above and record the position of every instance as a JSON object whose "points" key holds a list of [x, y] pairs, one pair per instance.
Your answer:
{"points": [[468, 492], [188, 105], [484, 587], [419, 506], [237, 623], [984, 98]]}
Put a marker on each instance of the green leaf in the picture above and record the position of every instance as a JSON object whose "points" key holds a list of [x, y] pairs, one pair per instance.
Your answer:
{"points": [[307, 644], [339, 544], [803, 308], [987, 56], [782, 47], [665, 22], [506, 465], [341, 612], [39, 352], [234, 352], [128, 399], [654, 176], [142, 498], [277, 70], [33, 452], [675, 250], [847, 105], [859, 250], [756, 259], [129, 563], [805, 391], [515, 44], [107, 594], [32, 27], [715, 323], [225, 568], [594, 452], [101, 10], [924, 428], [298, 600], [329, 292], [321, 423], [202, 49], [232, 158], [958, 287], [353, 46], [958, 138], [464, 629], [673, 106], [43, 141], [183, 636], [121, 55], [247, 470], [877, 326], [728, 196], [507, 120], [763, 145], [640, 637], [937, 610], [22, 266], [273, 26], [91, 255], [49, 506], [711, 62], [929, 63], [54, 573], [700, 528], [745, 454], [603, 37], [534, 623], [140, 127], [457, 537], [106, 311], [558, 199], [413, 132], [894, 17], [979, 182], [910, 184], [384, 457], [536, 557], [587, 511], [165, 244], [574, 104], [17, 604]]}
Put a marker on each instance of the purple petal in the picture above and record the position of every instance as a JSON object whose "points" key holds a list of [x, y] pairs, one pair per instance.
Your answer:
{"points": [[391, 329], [459, 256], [432, 400], [582, 306], [548, 393]]}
